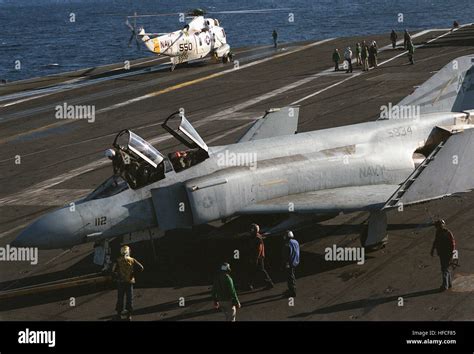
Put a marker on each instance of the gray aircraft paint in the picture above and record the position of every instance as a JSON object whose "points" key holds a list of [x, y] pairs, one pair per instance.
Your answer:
{"points": [[362, 163]]}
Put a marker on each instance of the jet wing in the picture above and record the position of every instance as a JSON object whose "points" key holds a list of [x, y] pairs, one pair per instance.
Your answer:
{"points": [[345, 199], [276, 122], [447, 171]]}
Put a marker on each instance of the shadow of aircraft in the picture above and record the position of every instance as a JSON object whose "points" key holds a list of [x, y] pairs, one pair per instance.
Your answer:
{"points": [[363, 303], [191, 258]]}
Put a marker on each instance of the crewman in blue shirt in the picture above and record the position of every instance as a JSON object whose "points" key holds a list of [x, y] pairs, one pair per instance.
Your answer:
{"points": [[291, 259]]}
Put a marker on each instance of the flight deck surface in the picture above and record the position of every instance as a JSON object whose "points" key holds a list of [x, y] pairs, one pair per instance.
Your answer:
{"points": [[62, 160]]}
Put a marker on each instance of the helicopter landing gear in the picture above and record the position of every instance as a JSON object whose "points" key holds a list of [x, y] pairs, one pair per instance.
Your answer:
{"points": [[227, 58]]}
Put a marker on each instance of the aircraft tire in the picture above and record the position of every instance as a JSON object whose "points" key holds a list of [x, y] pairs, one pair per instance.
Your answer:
{"points": [[372, 248]]}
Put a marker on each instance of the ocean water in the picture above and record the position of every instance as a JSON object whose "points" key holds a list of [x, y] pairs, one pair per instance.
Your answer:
{"points": [[40, 37]]}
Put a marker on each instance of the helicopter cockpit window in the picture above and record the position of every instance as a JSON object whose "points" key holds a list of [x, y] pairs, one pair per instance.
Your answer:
{"points": [[137, 161], [113, 185], [199, 38]]}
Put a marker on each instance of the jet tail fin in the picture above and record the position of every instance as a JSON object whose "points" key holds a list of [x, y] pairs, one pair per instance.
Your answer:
{"points": [[450, 90]]}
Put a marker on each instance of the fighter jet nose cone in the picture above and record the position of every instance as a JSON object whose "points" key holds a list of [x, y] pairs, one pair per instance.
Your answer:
{"points": [[18, 241], [32, 236], [27, 238], [55, 230]]}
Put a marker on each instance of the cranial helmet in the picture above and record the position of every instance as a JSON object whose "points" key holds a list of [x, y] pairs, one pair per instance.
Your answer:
{"points": [[225, 267], [440, 223], [110, 153], [254, 227], [125, 251]]}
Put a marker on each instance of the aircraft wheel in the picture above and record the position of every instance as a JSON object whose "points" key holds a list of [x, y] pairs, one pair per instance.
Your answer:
{"points": [[225, 59], [375, 247]]}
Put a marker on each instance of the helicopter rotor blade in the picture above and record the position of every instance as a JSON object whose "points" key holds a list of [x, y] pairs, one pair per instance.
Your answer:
{"points": [[131, 39], [137, 42], [155, 15], [245, 11], [127, 23], [248, 11]]}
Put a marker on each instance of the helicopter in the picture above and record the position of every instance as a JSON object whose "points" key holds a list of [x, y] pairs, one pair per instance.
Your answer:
{"points": [[201, 37]]}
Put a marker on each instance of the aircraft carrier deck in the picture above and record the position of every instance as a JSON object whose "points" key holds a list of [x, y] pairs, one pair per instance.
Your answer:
{"points": [[62, 160]]}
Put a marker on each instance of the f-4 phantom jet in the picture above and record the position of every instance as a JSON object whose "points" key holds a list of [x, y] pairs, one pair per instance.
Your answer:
{"points": [[374, 166]]}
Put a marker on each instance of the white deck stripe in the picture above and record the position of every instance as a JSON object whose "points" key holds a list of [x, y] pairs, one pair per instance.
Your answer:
{"points": [[69, 84], [212, 76], [380, 64]]}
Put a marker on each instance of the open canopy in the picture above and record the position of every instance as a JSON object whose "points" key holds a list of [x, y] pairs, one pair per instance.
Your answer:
{"points": [[189, 136], [128, 140]]}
